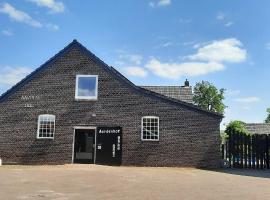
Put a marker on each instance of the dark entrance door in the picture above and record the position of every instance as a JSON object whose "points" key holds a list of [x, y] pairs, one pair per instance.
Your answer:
{"points": [[109, 145], [84, 146]]}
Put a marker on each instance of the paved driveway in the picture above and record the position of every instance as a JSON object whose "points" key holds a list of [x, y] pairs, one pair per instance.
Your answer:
{"points": [[105, 182]]}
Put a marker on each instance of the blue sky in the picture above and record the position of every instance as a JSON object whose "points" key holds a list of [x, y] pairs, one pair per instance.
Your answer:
{"points": [[152, 42]]}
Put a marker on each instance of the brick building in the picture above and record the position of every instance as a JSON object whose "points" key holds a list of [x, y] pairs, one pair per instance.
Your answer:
{"points": [[76, 109]]}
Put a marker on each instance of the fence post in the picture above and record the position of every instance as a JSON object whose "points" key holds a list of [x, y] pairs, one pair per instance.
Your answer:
{"points": [[267, 151], [241, 150], [233, 149], [253, 151], [249, 151], [245, 146], [222, 151], [229, 148], [262, 147], [257, 152], [237, 150]]}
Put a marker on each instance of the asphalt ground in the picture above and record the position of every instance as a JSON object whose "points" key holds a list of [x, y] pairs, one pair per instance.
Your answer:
{"points": [[105, 182]]}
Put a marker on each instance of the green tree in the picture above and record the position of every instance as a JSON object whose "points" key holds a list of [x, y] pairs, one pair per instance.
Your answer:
{"points": [[267, 120], [236, 127], [207, 96]]}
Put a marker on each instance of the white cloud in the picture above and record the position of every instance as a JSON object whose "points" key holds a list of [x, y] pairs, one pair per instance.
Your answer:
{"points": [[23, 17], [223, 18], [188, 43], [228, 50], [128, 58], [164, 2], [251, 99], [176, 70], [228, 24], [220, 16], [152, 4], [12, 75], [232, 92], [18, 15], [185, 21], [167, 44], [209, 58], [200, 44], [133, 58], [7, 32], [159, 3], [52, 27], [54, 6], [135, 71]]}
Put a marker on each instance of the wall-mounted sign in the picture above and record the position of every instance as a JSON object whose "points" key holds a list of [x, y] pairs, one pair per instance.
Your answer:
{"points": [[109, 130], [30, 100], [28, 105], [30, 97]]}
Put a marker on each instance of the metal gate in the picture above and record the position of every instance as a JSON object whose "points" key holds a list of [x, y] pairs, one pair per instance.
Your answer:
{"points": [[247, 151]]}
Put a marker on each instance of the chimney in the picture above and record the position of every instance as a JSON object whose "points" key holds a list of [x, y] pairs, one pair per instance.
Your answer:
{"points": [[186, 92], [186, 84]]}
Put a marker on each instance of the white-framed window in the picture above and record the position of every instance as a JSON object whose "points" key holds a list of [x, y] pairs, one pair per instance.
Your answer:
{"points": [[46, 126], [86, 87], [150, 128]]}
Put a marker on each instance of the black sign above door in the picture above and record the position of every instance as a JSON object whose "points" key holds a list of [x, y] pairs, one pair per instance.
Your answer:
{"points": [[109, 145]]}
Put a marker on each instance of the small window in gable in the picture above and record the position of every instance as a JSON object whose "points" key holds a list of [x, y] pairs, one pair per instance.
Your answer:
{"points": [[46, 126], [86, 87], [150, 128]]}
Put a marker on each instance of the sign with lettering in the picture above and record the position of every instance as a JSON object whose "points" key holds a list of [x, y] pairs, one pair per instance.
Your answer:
{"points": [[109, 145], [30, 97], [109, 130], [29, 100]]}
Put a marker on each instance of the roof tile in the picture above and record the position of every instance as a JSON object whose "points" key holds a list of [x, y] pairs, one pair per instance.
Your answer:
{"points": [[176, 92], [258, 128]]}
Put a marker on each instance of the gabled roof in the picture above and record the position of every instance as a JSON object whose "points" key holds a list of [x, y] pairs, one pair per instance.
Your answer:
{"points": [[258, 128], [177, 92], [110, 70]]}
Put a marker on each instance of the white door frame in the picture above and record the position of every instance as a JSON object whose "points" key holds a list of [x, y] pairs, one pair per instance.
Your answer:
{"points": [[73, 143]]}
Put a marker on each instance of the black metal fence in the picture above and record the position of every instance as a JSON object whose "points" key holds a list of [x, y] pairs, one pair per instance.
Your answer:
{"points": [[247, 151]]}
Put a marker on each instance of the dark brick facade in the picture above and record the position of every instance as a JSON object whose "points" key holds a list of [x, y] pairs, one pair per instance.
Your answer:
{"points": [[189, 137]]}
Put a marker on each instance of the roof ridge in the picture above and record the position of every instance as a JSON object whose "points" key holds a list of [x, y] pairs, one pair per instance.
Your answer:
{"points": [[160, 86], [166, 86]]}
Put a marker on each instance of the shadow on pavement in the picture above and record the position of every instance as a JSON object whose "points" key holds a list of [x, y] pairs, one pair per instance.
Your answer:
{"points": [[246, 172]]}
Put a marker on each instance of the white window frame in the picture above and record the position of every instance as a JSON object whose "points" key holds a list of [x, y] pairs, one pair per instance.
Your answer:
{"points": [[147, 117], [38, 137], [86, 97]]}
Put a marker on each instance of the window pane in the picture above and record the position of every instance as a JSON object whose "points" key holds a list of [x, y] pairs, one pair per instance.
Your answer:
{"points": [[86, 86], [42, 118], [51, 118], [46, 126], [150, 128]]}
